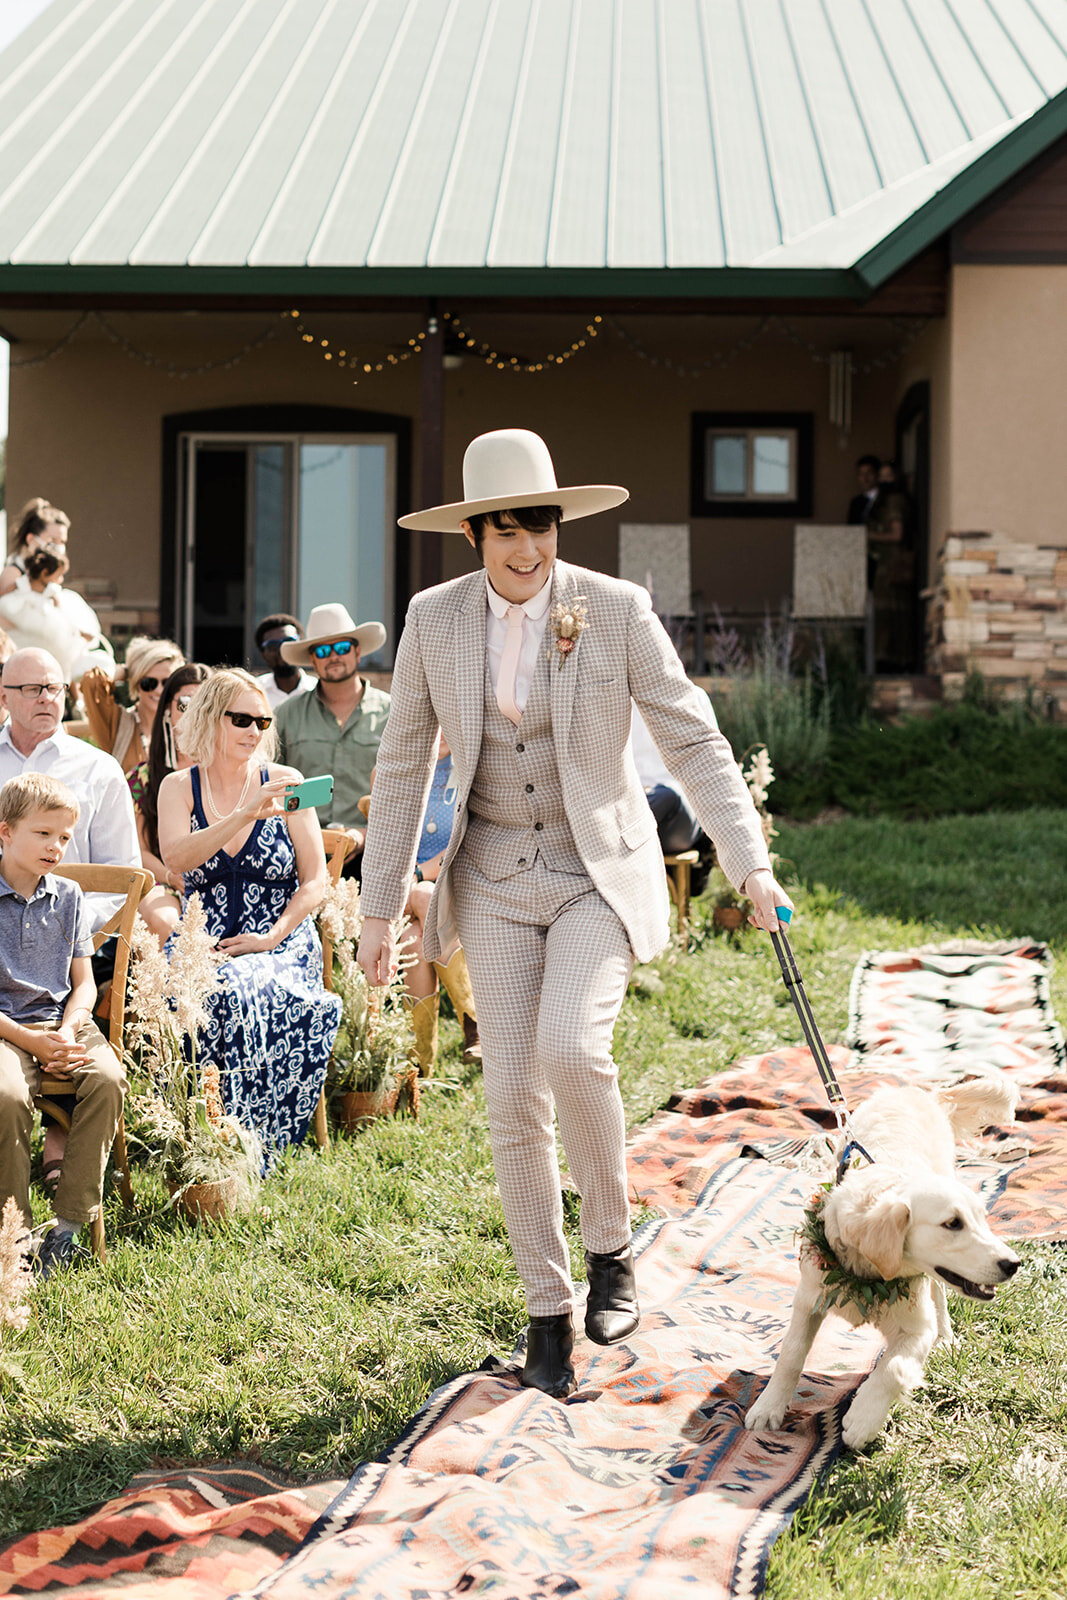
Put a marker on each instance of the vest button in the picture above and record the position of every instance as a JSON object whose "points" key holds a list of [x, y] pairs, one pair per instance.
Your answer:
{"points": [[529, 788], [520, 748], [538, 826]]}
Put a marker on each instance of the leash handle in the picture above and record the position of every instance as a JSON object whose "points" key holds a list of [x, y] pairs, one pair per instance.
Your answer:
{"points": [[834, 1093]]}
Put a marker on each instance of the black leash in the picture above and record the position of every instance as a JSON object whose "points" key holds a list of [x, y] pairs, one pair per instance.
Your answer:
{"points": [[834, 1093]]}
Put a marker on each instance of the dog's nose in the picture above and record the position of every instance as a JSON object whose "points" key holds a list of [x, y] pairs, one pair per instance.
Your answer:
{"points": [[1008, 1265]]}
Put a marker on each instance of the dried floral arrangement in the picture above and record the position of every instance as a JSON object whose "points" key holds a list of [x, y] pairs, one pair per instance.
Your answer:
{"points": [[372, 1053], [758, 775], [15, 1277], [174, 1110]]}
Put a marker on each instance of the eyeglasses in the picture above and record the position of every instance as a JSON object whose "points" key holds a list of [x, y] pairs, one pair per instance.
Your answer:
{"points": [[276, 641], [183, 702], [34, 691], [150, 685], [340, 647], [244, 719]]}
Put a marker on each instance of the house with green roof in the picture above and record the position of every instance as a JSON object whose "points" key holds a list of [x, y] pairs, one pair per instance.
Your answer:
{"points": [[266, 266]]}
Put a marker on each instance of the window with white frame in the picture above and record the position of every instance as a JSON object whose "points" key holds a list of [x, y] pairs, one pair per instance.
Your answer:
{"points": [[751, 464]]}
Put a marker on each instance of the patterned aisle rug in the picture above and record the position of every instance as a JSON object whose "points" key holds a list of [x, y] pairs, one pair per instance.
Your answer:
{"points": [[644, 1485], [195, 1534]]}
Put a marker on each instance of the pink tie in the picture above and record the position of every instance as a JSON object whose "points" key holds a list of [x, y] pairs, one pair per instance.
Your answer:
{"points": [[509, 665]]}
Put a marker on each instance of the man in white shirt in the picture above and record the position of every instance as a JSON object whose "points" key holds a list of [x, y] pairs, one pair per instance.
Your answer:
{"points": [[32, 692], [283, 681]]}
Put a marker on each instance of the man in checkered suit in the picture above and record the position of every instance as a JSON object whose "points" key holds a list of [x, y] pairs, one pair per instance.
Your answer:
{"points": [[553, 878]]}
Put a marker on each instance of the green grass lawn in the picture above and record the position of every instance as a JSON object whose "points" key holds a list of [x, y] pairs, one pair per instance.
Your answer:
{"points": [[307, 1334]]}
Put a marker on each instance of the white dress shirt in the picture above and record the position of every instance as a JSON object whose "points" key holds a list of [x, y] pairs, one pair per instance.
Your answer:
{"points": [[533, 632], [106, 831], [276, 696]]}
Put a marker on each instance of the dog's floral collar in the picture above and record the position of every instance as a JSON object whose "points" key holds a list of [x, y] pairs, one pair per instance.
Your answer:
{"points": [[842, 1286], [569, 620]]}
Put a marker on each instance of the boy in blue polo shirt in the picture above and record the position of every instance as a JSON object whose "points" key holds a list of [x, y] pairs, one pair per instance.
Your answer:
{"points": [[47, 995]]}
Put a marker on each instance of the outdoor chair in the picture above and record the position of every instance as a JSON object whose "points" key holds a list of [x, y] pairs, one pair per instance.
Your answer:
{"points": [[335, 842], [679, 883], [134, 883]]}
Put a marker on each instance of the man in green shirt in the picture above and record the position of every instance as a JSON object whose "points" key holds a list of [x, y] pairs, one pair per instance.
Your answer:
{"points": [[338, 726]]}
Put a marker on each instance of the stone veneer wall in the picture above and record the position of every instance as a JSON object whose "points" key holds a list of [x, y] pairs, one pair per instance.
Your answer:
{"points": [[1000, 609]]}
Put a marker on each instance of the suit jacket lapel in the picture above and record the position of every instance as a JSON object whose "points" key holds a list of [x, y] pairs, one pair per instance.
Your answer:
{"points": [[563, 670], [470, 667]]}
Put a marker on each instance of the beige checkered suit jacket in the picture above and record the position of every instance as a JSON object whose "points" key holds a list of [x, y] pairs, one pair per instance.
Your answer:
{"points": [[439, 679]]}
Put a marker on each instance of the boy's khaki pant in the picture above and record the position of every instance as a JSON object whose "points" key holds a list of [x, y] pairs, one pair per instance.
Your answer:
{"points": [[98, 1088]]}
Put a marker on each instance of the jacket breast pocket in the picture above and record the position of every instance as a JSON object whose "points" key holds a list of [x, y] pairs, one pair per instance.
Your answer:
{"points": [[637, 830]]}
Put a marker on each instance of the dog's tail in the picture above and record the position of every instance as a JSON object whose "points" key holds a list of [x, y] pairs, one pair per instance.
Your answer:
{"points": [[982, 1102]]}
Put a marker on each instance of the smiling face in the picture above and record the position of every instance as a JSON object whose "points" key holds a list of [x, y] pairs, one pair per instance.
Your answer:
{"points": [[35, 844], [518, 563]]}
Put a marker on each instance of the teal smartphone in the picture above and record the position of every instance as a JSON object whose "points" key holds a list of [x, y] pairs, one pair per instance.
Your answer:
{"points": [[312, 792]]}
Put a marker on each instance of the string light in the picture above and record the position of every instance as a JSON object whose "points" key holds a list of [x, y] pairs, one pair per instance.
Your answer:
{"points": [[770, 325], [502, 363], [157, 363], [348, 360]]}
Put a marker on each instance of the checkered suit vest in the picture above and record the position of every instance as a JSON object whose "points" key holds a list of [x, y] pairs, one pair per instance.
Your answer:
{"points": [[516, 800]]}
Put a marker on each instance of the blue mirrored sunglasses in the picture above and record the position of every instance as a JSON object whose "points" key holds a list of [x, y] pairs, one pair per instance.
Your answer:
{"points": [[340, 647]]}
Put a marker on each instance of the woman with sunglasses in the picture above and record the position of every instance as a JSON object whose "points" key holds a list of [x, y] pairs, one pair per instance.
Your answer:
{"points": [[161, 907], [260, 872], [126, 731]]}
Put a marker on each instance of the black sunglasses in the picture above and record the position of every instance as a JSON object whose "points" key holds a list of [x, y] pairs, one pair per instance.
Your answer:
{"points": [[276, 641], [245, 719], [150, 685]]}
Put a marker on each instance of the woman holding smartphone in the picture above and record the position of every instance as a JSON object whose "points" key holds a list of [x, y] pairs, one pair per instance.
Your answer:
{"points": [[260, 872]]}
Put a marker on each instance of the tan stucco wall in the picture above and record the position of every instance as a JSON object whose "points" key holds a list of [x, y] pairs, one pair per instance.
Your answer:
{"points": [[86, 426], [1008, 379]]}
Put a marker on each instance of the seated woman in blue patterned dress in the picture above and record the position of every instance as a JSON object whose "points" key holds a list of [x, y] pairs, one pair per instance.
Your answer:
{"points": [[261, 874]]}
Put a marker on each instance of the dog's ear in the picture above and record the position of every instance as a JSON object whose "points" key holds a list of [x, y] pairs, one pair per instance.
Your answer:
{"points": [[878, 1231]]}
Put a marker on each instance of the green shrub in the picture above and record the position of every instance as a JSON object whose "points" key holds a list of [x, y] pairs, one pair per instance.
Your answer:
{"points": [[962, 759]]}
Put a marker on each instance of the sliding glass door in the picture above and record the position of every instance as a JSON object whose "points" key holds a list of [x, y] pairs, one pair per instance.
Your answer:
{"points": [[283, 523]]}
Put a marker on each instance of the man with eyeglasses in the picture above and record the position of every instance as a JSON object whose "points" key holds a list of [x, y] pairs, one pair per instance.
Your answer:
{"points": [[339, 727], [283, 679], [32, 692]]}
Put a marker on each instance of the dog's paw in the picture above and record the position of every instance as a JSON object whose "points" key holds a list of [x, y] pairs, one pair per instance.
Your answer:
{"points": [[766, 1416], [861, 1425]]}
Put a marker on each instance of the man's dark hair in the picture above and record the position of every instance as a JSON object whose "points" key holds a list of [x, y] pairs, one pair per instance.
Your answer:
{"points": [[870, 461], [280, 621], [535, 519]]}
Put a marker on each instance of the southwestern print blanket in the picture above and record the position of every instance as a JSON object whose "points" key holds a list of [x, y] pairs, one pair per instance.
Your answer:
{"points": [[644, 1485]]}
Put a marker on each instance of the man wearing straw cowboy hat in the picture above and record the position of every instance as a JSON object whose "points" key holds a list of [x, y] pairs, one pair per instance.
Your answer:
{"points": [[553, 877], [338, 727]]}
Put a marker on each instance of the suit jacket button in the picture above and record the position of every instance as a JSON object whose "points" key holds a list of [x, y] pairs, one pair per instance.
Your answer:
{"points": [[522, 861], [529, 788], [538, 826], [520, 748]]}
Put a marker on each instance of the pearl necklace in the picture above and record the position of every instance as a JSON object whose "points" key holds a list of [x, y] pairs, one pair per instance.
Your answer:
{"points": [[210, 798]]}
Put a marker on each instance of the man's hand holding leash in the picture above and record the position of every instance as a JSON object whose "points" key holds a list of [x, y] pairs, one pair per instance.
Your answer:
{"points": [[766, 895]]}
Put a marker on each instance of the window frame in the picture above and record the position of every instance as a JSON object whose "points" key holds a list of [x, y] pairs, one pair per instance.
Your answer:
{"points": [[705, 423]]}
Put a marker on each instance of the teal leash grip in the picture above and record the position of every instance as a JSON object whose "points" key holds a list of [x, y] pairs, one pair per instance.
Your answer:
{"points": [[784, 914]]}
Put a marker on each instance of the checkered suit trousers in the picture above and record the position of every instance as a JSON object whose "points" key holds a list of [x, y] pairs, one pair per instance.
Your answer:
{"points": [[549, 962]]}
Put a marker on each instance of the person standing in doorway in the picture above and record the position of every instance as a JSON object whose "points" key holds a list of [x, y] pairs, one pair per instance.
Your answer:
{"points": [[553, 876]]}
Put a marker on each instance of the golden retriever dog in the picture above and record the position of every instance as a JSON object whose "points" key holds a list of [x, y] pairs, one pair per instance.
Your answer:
{"points": [[903, 1216]]}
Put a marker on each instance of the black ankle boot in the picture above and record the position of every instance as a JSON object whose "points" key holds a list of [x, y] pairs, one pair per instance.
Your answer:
{"points": [[549, 1343], [611, 1311]]}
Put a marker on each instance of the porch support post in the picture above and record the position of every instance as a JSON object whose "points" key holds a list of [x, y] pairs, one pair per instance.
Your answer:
{"points": [[432, 442]]}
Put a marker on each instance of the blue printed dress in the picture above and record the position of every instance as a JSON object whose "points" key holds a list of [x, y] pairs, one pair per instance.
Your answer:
{"points": [[273, 1024]]}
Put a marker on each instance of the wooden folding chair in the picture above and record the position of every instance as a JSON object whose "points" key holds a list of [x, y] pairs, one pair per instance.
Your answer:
{"points": [[134, 883], [335, 842], [679, 869]]}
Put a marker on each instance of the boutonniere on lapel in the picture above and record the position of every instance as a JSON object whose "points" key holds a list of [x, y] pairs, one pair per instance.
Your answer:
{"points": [[569, 619]]}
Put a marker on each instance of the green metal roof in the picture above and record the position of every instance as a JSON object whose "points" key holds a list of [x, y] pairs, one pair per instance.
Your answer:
{"points": [[527, 146]]}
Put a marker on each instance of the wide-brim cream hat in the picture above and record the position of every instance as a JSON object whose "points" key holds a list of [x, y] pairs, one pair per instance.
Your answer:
{"points": [[333, 622], [507, 469]]}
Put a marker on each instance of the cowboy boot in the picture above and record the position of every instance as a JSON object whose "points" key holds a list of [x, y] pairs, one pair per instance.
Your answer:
{"points": [[611, 1310], [456, 979], [549, 1343], [424, 1021]]}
